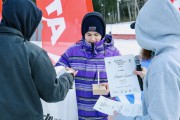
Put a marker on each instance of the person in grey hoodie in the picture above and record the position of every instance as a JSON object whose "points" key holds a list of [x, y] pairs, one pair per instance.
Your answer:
{"points": [[158, 30], [26, 72]]}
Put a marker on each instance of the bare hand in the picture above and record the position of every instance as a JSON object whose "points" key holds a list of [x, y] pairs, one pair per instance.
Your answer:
{"points": [[111, 117], [72, 71], [106, 85], [141, 73]]}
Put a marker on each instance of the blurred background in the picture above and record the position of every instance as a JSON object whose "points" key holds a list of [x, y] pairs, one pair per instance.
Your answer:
{"points": [[116, 11]]}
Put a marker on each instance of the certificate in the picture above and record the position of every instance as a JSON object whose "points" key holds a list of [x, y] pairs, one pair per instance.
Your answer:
{"points": [[121, 79], [108, 106]]}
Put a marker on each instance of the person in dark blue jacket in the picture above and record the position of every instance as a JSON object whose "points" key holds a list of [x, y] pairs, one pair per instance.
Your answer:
{"points": [[26, 72]]}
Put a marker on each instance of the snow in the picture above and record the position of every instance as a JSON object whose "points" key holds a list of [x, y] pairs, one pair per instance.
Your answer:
{"points": [[127, 46], [120, 28], [124, 46]]}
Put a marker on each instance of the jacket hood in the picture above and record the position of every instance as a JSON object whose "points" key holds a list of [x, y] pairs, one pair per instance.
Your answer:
{"points": [[158, 26], [22, 15]]}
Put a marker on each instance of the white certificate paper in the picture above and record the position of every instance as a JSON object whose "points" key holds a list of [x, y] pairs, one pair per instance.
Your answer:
{"points": [[59, 70], [121, 79], [108, 106]]}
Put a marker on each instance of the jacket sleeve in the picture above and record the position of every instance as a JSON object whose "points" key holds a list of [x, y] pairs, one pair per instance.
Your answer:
{"points": [[64, 59], [50, 88], [116, 52]]}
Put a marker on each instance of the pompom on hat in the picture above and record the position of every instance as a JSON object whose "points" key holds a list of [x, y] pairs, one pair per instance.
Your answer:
{"points": [[93, 21]]}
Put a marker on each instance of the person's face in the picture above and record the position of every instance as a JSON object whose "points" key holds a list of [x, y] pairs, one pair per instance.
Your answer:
{"points": [[92, 37]]}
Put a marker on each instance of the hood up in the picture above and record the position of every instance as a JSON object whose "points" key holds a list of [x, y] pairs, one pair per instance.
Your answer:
{"points": [[158, 26], [22, 15]]}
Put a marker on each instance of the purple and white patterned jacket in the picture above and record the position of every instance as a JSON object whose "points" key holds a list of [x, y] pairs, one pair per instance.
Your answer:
{"points": [[88, 61]]}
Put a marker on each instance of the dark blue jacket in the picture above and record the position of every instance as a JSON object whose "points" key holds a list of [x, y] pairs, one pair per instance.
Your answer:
{"points": [[26, 72]]}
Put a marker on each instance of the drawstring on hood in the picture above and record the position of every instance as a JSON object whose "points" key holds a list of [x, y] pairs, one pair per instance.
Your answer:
{"points": [[24, 20]]}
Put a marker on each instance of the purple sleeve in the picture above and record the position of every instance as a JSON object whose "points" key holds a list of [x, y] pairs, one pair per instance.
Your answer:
{"points": [[64, 59], [116, 52]]}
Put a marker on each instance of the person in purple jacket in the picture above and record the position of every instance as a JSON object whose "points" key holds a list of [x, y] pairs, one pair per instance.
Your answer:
{"points": [[87, 56]]}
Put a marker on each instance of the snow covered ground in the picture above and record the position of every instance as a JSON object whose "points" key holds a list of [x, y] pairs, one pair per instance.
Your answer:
{"points": [[127, 46], [124, 46], [120, 28]]}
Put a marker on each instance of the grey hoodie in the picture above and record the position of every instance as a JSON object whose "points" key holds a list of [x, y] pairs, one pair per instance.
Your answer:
{"points": [[158, 29]]}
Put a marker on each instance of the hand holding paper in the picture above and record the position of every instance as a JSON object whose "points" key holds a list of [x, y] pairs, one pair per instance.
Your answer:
{"points": [[108, 106], [61, 70], [70, 70]]}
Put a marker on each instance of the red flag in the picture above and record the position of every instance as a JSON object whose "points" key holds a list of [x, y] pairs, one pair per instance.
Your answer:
{"points": [[176, 4], [61, 23], [0, 9], [172, 1]]}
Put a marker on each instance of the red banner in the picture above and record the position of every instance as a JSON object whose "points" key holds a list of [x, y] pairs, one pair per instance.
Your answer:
{"points": [[0, 9], [61, 23], [176, 4]]}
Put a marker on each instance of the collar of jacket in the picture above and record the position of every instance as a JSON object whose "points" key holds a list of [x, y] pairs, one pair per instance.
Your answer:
{"points": [[9, 30], [95, 49]]}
